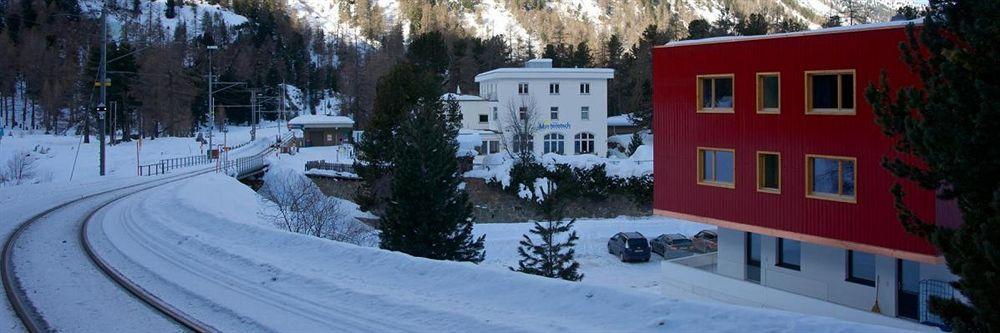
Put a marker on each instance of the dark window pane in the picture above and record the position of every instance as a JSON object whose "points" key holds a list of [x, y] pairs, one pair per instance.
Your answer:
{"points": [[848, 177], [724, 93], [862, 266], [753, 247], [706, 93], [770, 173], [770, 92], [824, 91], [825, 174], [724, 166], [847, 91], [708, 165], [791, 251], [909, 278]]}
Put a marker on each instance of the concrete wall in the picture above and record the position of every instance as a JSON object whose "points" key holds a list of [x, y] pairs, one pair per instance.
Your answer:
{"points": [[822, 274]]}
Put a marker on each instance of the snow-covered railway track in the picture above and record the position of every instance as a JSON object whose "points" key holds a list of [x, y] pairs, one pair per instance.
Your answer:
{"points": [[53, 280]]}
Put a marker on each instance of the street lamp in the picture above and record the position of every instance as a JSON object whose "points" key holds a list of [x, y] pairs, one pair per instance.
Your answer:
{"points": [[211, 101], [102, 110]]}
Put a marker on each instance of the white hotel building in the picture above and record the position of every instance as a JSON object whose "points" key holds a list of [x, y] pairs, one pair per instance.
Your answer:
{"points": [[568, 107]]}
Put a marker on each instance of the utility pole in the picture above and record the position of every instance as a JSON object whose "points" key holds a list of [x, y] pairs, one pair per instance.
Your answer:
{"points": [[102, 107], [211, 102], [253, 114]]}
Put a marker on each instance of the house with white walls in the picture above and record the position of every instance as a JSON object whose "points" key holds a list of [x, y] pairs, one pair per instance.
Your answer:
{"points": [[565, 108]]}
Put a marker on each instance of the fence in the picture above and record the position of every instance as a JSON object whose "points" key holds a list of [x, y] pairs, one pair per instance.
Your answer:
{"points": [[165, 165], [324, 165], [934, 289], [244, 165]]}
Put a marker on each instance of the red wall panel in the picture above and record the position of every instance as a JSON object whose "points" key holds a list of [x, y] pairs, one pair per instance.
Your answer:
{"points": [[679, 130]]}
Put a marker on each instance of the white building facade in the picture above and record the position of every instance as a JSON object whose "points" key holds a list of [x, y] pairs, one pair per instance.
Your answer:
{"points": [[566, 108]]}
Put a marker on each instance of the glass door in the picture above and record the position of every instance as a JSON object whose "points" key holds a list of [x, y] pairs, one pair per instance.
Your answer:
{"points": [[753, 257], [907, 289]]}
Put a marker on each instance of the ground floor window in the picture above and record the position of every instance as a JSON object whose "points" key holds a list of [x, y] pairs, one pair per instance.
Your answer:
{"points": [[583, 143], [861, 268], [554, 143], [753, 257], [489, 147], [789, 253], [523, 142]]}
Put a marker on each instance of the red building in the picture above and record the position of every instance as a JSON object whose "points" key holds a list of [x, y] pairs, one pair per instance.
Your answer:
{"points": [[770, 138]]}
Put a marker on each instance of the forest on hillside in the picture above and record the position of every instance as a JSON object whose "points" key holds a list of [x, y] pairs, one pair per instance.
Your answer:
{"points": [[159, 60]]}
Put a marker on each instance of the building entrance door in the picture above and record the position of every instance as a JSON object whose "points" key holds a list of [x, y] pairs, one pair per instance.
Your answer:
{"points": [[907, 289], [753, 257]]}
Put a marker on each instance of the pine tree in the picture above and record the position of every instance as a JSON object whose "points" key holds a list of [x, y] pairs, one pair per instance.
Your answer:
{"points": [[698, 29], [755, 24], [635, 142], [581, 56], [725, 25], [171, 11], [550, 257], [947, 129], [790, 24], [428, 51], [427, 214], [833, 21]]}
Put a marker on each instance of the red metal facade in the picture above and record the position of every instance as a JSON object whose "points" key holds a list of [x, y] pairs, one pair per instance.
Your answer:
{"points": [[679, 130]]}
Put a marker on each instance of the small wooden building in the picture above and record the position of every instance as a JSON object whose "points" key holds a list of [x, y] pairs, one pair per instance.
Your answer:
{"points": [[323, 130]]}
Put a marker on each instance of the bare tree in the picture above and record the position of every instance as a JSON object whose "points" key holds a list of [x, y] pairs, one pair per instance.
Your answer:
{"points": [[294, 203], [518, 126], [19, 169]]}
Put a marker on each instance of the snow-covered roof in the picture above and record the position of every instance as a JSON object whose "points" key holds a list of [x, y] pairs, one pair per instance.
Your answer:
{"points": [[460, 97], [546, 73], [834, 30], [621, 120], [318, 120]]}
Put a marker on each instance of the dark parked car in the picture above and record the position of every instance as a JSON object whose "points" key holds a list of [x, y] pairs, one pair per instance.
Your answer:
{"points": [[706, 241], [671, 246], [629, 246]]}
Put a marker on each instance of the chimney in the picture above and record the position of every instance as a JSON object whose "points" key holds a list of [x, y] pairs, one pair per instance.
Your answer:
{"points": [[539, 63]]}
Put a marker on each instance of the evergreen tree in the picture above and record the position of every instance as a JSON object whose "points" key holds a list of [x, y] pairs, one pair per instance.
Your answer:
{"points": [[396, 93], [946, 128], [171, 11], [427, 215], [635, 142], [581, 56], [753, 25], [551, 256], [725, 25], [790, 24], [833, 21], [429, 52], [698, 29]]}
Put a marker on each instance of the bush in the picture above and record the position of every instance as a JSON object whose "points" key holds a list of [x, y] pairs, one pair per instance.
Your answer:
{"points": [[19, 169], [592, 183]]}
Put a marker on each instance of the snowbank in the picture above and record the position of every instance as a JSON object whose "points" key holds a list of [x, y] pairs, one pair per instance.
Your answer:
{"points": [[298, 282], [496, 167]]}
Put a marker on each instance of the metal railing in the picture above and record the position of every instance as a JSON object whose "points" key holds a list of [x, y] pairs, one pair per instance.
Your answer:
{"points": [[324, 165], [244, 165], [165, 165]]}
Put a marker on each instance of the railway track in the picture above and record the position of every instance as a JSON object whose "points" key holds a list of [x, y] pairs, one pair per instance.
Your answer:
{"points": [[20, 299]]}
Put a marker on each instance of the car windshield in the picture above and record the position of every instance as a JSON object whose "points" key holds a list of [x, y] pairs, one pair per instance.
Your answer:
{"points": [[682, 241], [636, 243]]}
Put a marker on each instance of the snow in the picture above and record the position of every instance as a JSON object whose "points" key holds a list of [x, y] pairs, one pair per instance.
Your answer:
{"points": [[57, 164], [187, 13], [195, 244], [496, 167], [321, 120], [620, 120], [843, 29]]}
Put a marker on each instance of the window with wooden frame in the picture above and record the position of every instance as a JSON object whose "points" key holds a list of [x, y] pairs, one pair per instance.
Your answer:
{"points": [[830, 92], [715, 93], [831, 178], [769, 93], [717, 167], [769, 172]]}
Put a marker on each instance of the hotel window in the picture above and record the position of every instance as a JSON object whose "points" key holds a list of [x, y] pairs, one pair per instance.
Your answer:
{"points": [[522, 88], [523, 142], [831, 178], [553, 88], [861, 268], [585, 113], [830, 92], [716, 167], [715, 93], [583, 143], [789, 254], [522, 113], [769, 172], [768, 92], [584, 88], [554, 143], [484, 118], [554, 113]]}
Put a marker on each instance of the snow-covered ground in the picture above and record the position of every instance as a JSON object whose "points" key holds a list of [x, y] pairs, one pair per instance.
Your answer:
{"points": [[599, 267], [58, 158], [199, 244]]}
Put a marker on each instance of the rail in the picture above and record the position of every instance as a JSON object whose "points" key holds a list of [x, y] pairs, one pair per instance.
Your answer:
{"points": [[324, 165]]}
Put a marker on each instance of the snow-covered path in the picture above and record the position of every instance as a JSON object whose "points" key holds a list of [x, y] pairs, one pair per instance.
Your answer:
{"points": [[199, 245]]}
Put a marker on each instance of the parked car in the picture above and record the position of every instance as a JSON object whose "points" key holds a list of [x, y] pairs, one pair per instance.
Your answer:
{"points": [[629, 246], [670, 246], [705, 241]]}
